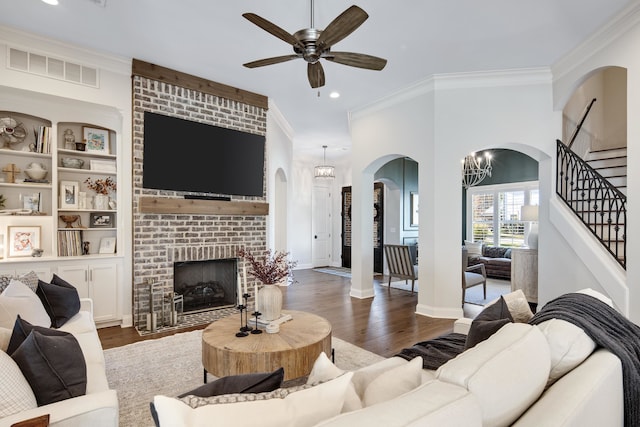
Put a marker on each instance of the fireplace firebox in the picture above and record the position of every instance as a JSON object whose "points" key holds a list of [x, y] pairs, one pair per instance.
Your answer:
{"points": [[206, 285]]}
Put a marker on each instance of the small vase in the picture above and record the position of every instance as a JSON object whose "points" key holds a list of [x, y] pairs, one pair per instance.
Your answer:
{"points": [[270, 302], [101, 202]]}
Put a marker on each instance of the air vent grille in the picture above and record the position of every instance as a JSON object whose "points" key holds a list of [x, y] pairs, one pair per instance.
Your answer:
{"points": [[52, 67]]}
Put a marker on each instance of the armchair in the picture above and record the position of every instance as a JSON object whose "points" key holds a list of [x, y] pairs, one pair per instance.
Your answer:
{"points": [[400, 263], [472, 275]]}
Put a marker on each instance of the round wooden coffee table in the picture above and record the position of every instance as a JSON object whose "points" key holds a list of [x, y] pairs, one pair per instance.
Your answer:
{"points": [[295, 347]]}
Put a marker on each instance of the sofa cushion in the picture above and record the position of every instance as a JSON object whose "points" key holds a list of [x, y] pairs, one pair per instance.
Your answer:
{"points": [[394, 383], [474, 249], [60, 299], [53, 365], [494, 251], [569, 346], [15, 392], [488, 322], [506, 372], [324, 370], [434, 403], [16, 299], [305, 407], [30, 279], [22, 329]]}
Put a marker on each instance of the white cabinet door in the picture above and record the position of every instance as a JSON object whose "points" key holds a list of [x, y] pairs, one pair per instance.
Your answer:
{"points": [[78, 276], [103, 287], [98, 282]]}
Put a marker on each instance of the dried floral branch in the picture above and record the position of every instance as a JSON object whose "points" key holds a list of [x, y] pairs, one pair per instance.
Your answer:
{"points": [[101, 186], [268, 268]]}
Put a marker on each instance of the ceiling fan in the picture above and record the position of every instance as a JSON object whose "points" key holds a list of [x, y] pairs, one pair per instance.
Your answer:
{"points": [[312, 45]]}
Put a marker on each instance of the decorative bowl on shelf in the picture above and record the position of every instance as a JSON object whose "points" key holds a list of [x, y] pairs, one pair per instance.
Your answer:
{"points": [[70, 162], [36, 171], [69, 219]]}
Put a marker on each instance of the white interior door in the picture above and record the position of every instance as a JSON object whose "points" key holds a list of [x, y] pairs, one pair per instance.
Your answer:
{"points": [[321, 228]]}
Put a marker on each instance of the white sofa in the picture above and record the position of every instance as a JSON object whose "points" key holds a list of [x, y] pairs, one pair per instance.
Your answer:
{"points": [[99, 407], [522, 375]]}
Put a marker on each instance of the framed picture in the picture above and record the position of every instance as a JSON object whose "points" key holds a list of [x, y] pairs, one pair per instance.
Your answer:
{"points": [[103, 165], [414, 208], [107, 245], [97, 140], [69, 194], [98, 220], [23, 240], [31, 202]]}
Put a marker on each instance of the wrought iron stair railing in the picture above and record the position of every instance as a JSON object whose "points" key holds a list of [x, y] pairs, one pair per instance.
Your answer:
{"points": [[598, 204]]}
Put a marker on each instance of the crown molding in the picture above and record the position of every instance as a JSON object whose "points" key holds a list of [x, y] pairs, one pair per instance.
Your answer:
{"points": [[275, 113]]}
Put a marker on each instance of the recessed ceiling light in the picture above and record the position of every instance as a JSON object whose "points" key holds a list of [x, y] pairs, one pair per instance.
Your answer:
{"points": [[334, 94], [51, 2]]}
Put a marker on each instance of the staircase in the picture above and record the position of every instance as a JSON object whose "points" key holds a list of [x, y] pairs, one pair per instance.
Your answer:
{"points": [[595, 189]]}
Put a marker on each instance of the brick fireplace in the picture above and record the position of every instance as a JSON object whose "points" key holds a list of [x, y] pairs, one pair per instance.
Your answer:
{"points": [[162, 239]]}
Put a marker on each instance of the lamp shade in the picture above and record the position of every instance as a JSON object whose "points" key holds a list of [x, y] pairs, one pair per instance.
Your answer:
{"points": [[529, 213]]}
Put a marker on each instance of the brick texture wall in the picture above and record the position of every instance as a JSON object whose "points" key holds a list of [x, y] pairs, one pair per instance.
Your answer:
{"points": [[159, 240]]}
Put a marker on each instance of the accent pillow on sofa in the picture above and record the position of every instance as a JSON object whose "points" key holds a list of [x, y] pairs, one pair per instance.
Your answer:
{"points": [[393, 383], [16, 299], [21, 331], [15, 392], [30, 279], [305, 407], [518, 306], [5, 337], [60, 299], [474, 249], [324, 370], [54, 366], [488, 322], [569, 346]]}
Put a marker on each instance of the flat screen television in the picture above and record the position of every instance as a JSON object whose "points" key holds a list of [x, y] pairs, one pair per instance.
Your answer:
{"points": [[183, 155]]}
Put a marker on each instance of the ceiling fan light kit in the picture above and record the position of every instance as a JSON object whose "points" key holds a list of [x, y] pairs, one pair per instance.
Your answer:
{"points": [[312, 44]]}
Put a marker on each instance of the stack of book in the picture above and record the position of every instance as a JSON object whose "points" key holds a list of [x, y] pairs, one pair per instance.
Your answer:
{"points": [[43, 139], [69, 242]]}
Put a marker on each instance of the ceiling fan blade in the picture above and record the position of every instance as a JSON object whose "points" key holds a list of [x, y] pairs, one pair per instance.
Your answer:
{"points": [[357, 60], [315, 73], [342, 26], [273, 29], [270, 61]]}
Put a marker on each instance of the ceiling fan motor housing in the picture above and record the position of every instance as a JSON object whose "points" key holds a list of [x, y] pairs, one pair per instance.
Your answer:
{"points": [[309, 37]]}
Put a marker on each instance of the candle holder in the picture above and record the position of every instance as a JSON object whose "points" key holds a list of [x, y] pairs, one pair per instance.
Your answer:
{"points": [[241, 333], [245, 328], [256, 330]]}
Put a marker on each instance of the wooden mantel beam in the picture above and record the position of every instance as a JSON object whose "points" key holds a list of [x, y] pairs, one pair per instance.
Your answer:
{"points": [[168, 205]]}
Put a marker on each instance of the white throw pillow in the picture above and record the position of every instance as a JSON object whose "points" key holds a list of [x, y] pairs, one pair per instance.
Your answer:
{"points": [[15, 393], [16, 299], [324, 370], [394, 383], [299, 409], [364, 376], [518, 306], [473, 248], [568, 344], [5, 337], [598, 295]]}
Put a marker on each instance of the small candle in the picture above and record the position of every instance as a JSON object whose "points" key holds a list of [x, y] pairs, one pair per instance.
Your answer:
{"points": [[244, 272], [255, 290], [239, 290]]}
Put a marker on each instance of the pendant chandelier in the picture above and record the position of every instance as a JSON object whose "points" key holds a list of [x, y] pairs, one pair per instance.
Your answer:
{"points": [[475, 169], [324, 171]]}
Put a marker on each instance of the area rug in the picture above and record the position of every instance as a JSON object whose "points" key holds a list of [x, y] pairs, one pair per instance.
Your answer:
{"points": [[172, 365], [495, 288], [337, 271]]}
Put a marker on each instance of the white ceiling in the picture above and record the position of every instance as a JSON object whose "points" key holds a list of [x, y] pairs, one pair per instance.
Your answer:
{"points": [[419, 38]]}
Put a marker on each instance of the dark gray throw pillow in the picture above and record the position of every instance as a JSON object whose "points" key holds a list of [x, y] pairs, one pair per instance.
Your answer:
{"points": [[60, 299], [53, 366], [22, 329], [245, 383], [492, 318]]}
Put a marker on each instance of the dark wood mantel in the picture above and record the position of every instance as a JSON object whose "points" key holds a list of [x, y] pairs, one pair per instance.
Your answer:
{"points": [[168, 205]]}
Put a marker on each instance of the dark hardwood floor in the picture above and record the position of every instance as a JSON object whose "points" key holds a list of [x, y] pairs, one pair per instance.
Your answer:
{"points": [[384, 324]]}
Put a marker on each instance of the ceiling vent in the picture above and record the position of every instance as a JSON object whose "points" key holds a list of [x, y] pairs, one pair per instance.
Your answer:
{"points": [[55, 68]]}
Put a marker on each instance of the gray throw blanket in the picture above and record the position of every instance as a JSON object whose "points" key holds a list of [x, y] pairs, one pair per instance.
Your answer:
{"points": [[608, 329], [436, 352]]}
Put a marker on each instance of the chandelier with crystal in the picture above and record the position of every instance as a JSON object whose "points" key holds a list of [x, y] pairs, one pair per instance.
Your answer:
{"points": [[475, 169], [324, 170]]}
